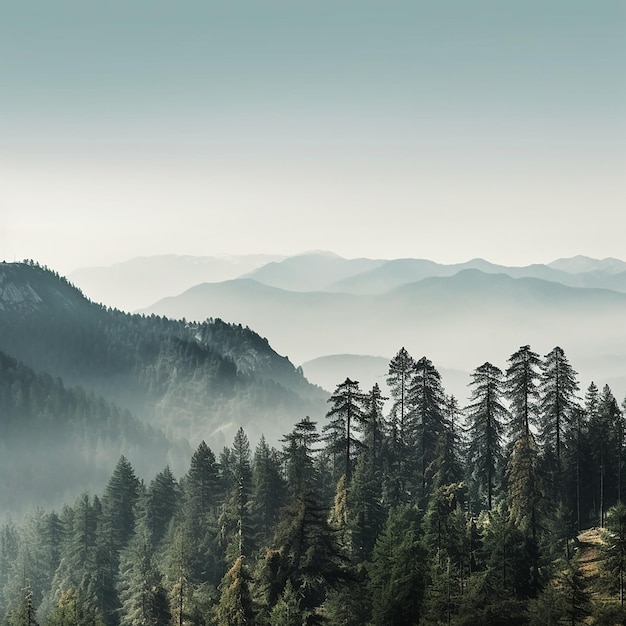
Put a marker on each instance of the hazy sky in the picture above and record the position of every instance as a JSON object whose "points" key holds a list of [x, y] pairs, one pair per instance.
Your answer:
{"points": [[444, 129]]}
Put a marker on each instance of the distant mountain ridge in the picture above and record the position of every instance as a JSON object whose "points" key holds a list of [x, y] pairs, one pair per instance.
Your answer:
{"points": [[141, 281], [450, 319]]}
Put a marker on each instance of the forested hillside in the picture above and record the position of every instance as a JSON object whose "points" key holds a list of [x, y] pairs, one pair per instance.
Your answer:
{"points": [[58, 441], [197, 380], [428, 513]]}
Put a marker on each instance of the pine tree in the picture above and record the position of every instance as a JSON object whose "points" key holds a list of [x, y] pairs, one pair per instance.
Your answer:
{"points": [[398, 570], [525, 497], [235, 606], [201, 485], [143, 597], [162, 501], [9, 545], [118, 502], [400, 375], [197, 526], [606, 434], [508, 555], [365, 511], [374, 428], [399, 378], [71, 609], [286, 611], [486, 417], [306, 552], [345, 421], [268, 491], [576, 600], [447, 466], [24, 613], [235, 522], [522, 391], [426, 422], [298, 456], [558, 401]]}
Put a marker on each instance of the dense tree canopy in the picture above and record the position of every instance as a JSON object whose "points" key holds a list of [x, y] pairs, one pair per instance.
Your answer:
{"points": [[402, 512]]}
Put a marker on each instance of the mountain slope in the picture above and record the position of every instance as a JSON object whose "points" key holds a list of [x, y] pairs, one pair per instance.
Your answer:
{"points": [[197, 380]]}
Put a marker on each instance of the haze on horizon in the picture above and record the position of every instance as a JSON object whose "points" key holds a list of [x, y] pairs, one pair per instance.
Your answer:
{"points": [[446, 131]]}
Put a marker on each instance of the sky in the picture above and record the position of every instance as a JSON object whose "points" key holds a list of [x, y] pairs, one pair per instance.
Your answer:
{"points": [[447, 129]]}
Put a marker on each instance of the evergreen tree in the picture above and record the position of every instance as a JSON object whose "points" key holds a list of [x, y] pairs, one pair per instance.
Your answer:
{"points": [[508, 555], [486, 417], [365, 510], [298, 456], [9, 546], [34, 562], [195, 532], [576, 600], [525, 497], [268, 491], [606, 435], [235, 522], [374, 428], [143, 597], [235, 606], [24, 613], [305, 551], [522, 391], [399, 378], [162, 501], [286, 611], [426, 421], [71, 609], [398, 570], [201, 485], [346, 418], [82, 567], [558, 401], [447, 466]]}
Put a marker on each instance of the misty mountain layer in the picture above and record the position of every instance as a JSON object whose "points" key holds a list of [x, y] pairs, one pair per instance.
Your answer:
{"points": [[197, 380]]}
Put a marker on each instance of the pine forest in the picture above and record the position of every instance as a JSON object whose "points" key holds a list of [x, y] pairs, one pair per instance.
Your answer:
{"points": [[412, 509]]}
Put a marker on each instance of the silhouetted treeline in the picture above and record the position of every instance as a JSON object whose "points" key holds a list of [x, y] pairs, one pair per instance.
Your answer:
{"points": [[427, 513]]}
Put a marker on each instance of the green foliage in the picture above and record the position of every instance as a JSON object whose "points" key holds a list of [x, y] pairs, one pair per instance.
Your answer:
{"points": [[398, 570], [72, 610], [305, 551], [258, 541], [235, 604], [486, 416], [142, 595], [426, 427], [346, 418], [614, 563]]}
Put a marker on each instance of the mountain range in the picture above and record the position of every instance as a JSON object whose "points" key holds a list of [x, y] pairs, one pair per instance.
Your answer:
{"points": [[451, 313], [210, 357]]}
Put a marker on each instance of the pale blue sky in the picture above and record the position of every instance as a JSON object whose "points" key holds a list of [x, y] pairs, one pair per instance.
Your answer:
{"points": [[438, 129]]}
